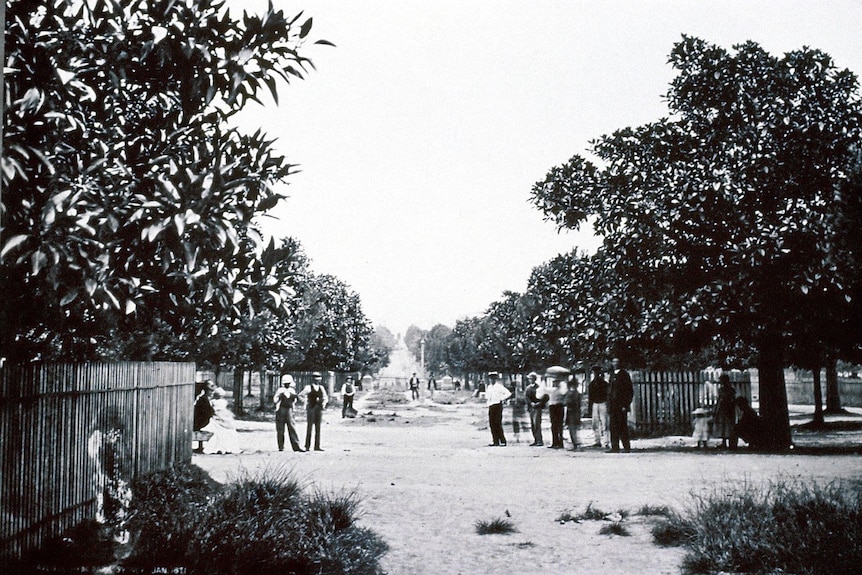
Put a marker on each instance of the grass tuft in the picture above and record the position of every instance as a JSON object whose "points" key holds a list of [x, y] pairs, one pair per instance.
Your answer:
{"points": [[261, 524], [784, 526], [497, 526], [615, 528]]}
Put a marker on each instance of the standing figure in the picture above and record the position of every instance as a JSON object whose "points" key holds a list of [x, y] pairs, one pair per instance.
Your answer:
{"points": [[414, 387], [225, 438], [620, 395], [536, 400], [572, 400], [701, 427], [725, 413], [347, 393], [597, 395], [284, 398], [315, 402], [495, 395], [557, 411]]}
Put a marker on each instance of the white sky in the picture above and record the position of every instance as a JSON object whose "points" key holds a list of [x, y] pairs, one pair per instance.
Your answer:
{"points": [[421, 134]]}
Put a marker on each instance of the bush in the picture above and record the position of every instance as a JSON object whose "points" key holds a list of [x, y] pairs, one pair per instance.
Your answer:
{"points": [[615, 528], [786, 526], [497, 526], [262, 524], [165, 510]]}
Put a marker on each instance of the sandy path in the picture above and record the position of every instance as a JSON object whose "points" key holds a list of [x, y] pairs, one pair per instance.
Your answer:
{"points": [[425, 476]]}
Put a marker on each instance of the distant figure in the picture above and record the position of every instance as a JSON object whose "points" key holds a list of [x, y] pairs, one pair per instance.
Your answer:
{"points": [[284, 399], [572, 399], [432, 383], [597, 396], [495, 395], [203, 404], [750, 426], [456, 385], [725, 413], [315, 402], [557, 411], [620, 395], [701, 427], [347, 393], [414, 387], [536, 401], [225, 438]]}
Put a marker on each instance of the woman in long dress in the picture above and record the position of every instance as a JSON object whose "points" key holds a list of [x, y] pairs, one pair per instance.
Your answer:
{"points": [[225, 438], [725, 413]]}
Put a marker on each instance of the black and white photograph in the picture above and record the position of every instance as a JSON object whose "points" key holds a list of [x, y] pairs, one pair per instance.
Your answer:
{"points": [[448, 287]]}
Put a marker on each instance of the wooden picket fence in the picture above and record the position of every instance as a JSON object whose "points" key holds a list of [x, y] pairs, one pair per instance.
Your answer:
{"points": [[663, 400], [66, 430]]}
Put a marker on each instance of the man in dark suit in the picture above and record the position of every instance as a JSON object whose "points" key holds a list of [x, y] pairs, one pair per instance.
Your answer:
{"points": [[620, 397], [315, 402]]}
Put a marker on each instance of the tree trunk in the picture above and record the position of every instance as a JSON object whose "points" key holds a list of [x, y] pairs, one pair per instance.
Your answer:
{"points": [[264, 389], [818, 398], [238, 380], [833, 400], [773, 395]]}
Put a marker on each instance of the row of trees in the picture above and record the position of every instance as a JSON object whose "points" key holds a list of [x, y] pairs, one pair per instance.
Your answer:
{"points": [[130, 201], [731, 234]]}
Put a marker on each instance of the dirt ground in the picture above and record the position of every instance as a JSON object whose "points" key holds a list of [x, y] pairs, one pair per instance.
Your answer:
{"points": [[425, 476]]}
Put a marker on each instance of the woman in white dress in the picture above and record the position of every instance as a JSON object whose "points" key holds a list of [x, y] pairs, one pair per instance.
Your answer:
{"points": [[225, 438]]}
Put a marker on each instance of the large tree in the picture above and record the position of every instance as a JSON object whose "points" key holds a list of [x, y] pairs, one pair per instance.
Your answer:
{"points": [[128, 199], [718, 222]]}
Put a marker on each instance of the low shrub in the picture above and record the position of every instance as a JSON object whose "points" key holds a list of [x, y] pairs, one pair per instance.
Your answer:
{"points": [[497, 526], [614, 528], [786, 526], [256, 524]]}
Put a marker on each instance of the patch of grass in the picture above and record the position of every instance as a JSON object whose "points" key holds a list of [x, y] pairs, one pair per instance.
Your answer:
{"points": [[614, 528], [654, 511], [497, 526], [592, 514], [673, 531], [261, 524], [785, 526]]}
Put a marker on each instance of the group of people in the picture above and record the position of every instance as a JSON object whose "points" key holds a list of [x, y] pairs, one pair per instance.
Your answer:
{"points": [[315, 398], [213, 417], [732, 419], [609, 404]]}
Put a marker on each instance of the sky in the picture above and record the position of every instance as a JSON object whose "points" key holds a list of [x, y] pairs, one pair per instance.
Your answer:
{"points": [[420, 135]]}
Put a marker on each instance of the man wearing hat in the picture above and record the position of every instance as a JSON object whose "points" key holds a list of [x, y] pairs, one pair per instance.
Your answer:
{"points": [[536, 400], [315, 402], [620, 394], [284, 398], [495, 395]]}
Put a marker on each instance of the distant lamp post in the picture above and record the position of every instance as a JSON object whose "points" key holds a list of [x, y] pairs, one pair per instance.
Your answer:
{"points": [[422, 354]]}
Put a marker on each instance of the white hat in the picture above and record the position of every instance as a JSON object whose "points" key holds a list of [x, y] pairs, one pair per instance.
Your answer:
{"points": [[287, 380]]}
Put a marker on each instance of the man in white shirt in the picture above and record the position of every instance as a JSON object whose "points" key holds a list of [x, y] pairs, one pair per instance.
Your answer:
{"points": [[495, 395]]}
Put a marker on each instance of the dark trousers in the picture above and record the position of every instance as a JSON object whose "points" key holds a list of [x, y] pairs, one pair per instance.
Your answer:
{"points": [[495, 422], [348, 404], [619, 429], [284, 418], [557, 414], [315, 415], [414, 393], [536, 424]]}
